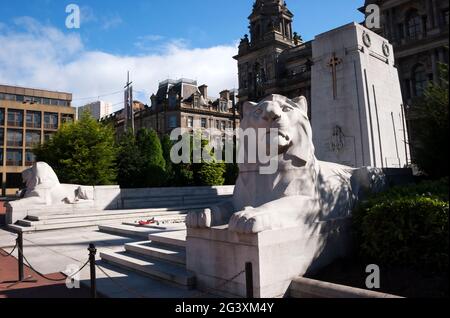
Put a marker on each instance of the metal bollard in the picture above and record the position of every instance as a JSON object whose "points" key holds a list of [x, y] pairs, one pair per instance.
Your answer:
{"points": [[92, 251], [20, 255], [249, 279]]}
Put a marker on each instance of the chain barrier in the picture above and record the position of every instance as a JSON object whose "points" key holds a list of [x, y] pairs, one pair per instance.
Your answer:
{"points": [[227, 281], [122, 286], [119, 284], [10, 253], [49, 278]]}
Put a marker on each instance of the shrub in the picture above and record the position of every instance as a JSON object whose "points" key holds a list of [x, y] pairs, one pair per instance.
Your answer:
{"points": [[406, 226]]}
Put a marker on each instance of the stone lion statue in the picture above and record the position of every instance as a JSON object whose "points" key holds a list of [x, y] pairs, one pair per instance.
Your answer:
{"points": [[43, 187], [302, 190]]}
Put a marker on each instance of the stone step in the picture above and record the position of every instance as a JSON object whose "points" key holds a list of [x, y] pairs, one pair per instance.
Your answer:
{"points": [[129, 231], [104, 223], [177, 238], [44, 216], [171, 253], [151, 267], [171, 202], [38, 228], [86, 218]]}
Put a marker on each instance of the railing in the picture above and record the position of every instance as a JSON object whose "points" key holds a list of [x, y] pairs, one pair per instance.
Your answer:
{"points": [[34, 125], [51, 126], [11, 143], [13, 163], [15, 123]]}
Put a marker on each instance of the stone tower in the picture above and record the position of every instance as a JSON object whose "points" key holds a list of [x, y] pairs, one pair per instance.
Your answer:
{"points": [[270, 34]]}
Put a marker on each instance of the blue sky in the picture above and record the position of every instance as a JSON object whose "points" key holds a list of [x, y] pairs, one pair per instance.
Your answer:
{"points": [[137, 35]]}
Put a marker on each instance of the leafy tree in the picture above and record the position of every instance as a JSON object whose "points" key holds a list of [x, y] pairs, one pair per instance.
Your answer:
{"points": [[430, 128], [82, 152], [208, 173], [166, 145], [129, 162], [153, 172]]}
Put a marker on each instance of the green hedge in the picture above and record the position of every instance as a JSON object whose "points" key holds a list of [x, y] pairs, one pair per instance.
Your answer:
{"points": [[406, 226]]}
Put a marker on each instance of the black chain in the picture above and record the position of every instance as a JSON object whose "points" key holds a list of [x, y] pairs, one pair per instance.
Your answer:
{"points": [[10, 253], [221, 285], [53, 279], [119, 284]]}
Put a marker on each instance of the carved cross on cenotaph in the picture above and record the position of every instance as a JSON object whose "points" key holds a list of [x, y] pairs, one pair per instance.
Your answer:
{"points": [[334, 62]]}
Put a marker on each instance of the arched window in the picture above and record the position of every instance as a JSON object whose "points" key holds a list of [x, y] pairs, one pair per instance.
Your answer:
{"points": [[420, 80], [414, 26]]}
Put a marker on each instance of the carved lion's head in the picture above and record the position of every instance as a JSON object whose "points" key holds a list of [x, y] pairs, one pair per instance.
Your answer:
{"points": [[40, 175], [290, 118]]}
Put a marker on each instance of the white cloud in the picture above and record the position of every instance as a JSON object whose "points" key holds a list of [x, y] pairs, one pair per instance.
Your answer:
{"points": [[42, 56], [111, 21]]}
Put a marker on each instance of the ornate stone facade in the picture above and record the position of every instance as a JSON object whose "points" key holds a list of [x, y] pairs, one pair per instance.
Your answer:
{"points": [[182, 104], [418, 30], [274, 59]]}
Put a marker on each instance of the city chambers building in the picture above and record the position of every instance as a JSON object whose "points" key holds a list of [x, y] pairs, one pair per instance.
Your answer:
{"points": [[28, 117]]}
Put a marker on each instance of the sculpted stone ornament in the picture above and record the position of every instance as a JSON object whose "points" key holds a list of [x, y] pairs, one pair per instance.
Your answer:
{"points": [[303, 190], [43, 187]]}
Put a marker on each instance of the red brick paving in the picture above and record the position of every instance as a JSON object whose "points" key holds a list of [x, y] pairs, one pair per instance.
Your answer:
{"points": [[41, 289]]}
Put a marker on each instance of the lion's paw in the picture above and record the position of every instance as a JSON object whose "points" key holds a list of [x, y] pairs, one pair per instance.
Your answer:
{"points": [[252, 222], [200, 219]]}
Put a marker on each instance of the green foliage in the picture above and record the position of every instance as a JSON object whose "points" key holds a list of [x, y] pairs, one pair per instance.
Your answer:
{"points": [[140, 161], [153, 164], [406, 226], [129, 162], [430, 128], [178, 175], [82, 152], [208, 172]]}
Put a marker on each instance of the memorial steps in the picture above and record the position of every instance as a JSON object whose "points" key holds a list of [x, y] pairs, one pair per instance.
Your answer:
{"points": [[46, 222], [162, 256]]}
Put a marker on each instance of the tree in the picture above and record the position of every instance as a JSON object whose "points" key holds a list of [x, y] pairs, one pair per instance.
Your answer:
{"points": [[153, 165], [82, 152], [208, 173], [166, 145], [128, 162], [430, 127]]}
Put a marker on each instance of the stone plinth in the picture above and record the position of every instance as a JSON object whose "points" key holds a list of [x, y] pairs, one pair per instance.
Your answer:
{"points": [[216, 255]]}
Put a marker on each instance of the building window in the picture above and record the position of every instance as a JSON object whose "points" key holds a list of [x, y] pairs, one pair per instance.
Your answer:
{"points": [[222, 125], [204, 123], [14, 138], [7, 97], [2, 137], [50, 121], [420, 80], [1, 156], [15, 118], [32, 138], [196, 101], [172, 101], [30, 158], [48, 136], [190, 122], [33, 119], [173, 122], [414, 26], [2, 116], [407, 89], [217, 124], [13, 157], [445, 17], [65, 118]]}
